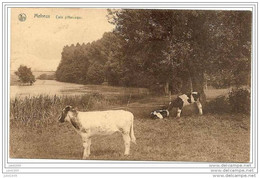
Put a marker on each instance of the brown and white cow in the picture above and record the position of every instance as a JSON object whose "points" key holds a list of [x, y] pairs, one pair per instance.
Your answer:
{"points": [[89, 124]]}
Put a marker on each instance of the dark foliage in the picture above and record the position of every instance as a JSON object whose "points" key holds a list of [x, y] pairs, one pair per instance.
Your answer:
{"points": [[239, 100], [46, 77], [219, 105], [25, 75], [165, 50]]}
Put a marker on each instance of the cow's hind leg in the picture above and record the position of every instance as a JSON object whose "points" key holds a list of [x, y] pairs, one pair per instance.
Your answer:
{"points": [[127, 139], [86, 146]]}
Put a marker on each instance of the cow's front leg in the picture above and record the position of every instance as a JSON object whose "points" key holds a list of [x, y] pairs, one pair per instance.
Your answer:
{"points": [[89, 144], [178, 112], [86, 146], [126, 138], [199, 107]]}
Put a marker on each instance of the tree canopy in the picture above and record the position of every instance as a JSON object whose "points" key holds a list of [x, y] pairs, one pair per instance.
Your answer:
{"points": [[191, 43], [174, 49]]}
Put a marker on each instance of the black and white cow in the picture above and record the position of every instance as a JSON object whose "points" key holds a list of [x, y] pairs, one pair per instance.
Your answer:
{"points": [[159, 114], [184, 100]]}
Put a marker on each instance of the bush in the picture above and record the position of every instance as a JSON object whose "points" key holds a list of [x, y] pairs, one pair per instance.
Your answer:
{"points": [[218, 105], [157, 89], [239, 100]]}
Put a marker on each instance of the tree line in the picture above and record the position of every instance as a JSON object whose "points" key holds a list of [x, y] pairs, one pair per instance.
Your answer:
{"points": [[91, 63], [164, 50]]}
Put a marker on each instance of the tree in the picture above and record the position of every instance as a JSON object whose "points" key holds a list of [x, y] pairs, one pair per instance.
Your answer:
{"points": [[192, 43], [25, 75]]}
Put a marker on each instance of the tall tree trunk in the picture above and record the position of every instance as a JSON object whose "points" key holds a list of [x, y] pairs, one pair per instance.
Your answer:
{"points": [[166, 88], [197, 79]]}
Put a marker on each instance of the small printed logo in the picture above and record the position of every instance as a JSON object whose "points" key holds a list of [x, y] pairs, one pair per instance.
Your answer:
{"points": [[22, 17]]}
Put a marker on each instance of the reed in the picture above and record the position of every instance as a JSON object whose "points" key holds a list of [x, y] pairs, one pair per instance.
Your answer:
{"points": [[45, 109]]}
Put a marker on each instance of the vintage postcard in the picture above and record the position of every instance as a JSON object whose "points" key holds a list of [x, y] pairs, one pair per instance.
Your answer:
{"points": [[130, 84], [73, 61]]}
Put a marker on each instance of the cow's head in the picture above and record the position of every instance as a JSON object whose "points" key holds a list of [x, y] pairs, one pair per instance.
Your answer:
{"points": [[159, 114], [63, 117], [195, 95]]}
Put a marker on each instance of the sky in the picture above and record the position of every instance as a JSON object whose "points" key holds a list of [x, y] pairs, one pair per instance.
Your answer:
{"points": [[37, 42]]}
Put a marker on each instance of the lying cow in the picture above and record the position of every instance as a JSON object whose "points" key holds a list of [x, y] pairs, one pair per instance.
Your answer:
{"points": [[184, 100], [88, 124], [159, 114]]}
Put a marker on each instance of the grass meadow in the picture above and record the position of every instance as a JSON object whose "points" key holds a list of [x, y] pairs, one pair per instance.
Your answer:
{"points": [[213, 137]]}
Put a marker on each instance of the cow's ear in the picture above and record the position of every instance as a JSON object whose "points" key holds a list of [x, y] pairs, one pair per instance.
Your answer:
{"points": [[67, 108]]}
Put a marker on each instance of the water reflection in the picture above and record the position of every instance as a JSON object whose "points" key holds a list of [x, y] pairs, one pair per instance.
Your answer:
{"points": [[52, 87]]}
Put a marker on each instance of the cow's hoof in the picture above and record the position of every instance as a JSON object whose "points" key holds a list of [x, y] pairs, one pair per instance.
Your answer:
{"points": [[85, 157]]}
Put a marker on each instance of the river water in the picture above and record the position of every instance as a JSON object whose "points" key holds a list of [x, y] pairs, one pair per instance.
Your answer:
{"points": [[52, 87]]}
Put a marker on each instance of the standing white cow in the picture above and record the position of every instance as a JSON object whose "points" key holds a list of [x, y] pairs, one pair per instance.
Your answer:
{"points": [[88, 124]]}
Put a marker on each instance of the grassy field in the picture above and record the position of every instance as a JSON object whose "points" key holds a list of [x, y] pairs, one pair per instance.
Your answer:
{"points": [[208, 138]]}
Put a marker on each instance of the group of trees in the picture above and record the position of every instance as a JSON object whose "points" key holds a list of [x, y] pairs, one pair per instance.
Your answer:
{"points": [[91, 63], [164, 49]]}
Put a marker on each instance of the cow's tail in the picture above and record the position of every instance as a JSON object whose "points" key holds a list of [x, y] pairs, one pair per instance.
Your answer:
{"points": [[132, 136]]}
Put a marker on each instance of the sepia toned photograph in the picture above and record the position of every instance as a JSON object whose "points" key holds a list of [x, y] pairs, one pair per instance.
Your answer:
{"points": [[130, 84]]}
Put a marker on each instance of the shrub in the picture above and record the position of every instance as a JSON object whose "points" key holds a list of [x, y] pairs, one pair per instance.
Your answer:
{"points": [[239, 100], [156, 89], [218, 105]]}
